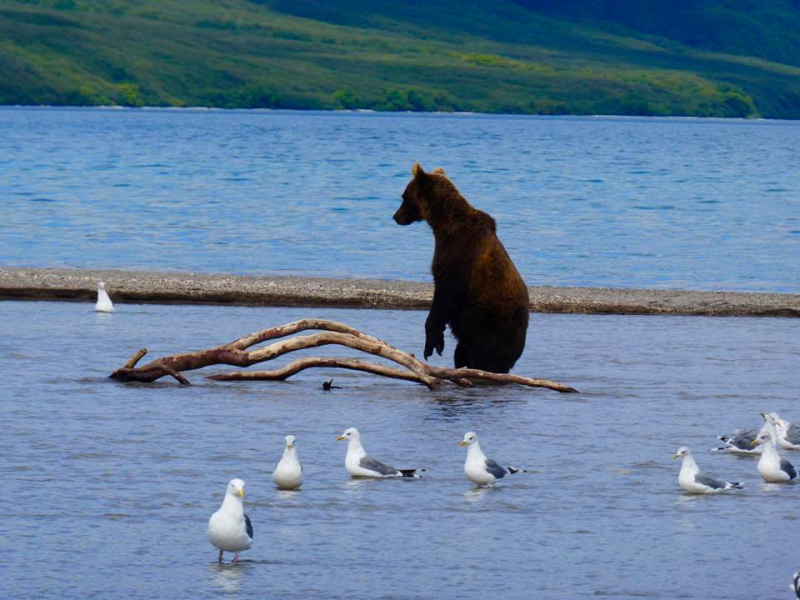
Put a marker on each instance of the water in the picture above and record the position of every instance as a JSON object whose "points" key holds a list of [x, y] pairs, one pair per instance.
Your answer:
{"points": [[107, 487], [661, 203]]}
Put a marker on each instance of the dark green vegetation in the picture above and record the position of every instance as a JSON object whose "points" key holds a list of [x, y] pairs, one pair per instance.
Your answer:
{"points": [[729, 58]]}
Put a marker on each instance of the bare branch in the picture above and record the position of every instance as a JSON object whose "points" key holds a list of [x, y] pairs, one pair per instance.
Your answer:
{"points": [[237, 353]]}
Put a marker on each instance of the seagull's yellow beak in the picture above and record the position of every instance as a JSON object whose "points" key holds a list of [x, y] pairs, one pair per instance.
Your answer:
{"points": [[462, 444], [340, 438], [755, 442], [288, 446], [241, 493], [676, 456]]}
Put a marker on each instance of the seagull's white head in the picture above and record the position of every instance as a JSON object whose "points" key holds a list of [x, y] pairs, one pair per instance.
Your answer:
{"points": [[289, 441], [236, 488], [771, 418], [682, 452], [762, 438], [469, 437], [101, 285], [351, 434]]}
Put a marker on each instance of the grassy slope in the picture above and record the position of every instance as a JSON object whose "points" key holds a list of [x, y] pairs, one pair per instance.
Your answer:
{"points": [[381, 54]]}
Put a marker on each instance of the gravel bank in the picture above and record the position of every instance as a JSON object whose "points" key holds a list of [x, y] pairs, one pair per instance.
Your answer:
{"points": [[194, 288]]}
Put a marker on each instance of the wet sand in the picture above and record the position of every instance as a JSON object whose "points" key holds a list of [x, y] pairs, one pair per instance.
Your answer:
{"points": [[194, 288]]}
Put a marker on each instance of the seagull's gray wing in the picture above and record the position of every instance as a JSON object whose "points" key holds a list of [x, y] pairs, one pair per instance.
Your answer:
{"points": [[743, 438], [495, 469], [793, 435], [249, 527], [367, 462], [710, 481], [788, 468]]}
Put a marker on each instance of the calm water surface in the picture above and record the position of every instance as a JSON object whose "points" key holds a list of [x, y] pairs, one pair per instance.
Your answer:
{"points": [[663, 203], [107, 487]]}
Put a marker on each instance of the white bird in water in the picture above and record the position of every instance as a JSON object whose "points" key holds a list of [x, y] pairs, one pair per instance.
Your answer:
{"points": [[788, 433], [771, 466], [695, 481], [229, 529], [480, 470], [288, 474], [359, 464], [104, 303]]}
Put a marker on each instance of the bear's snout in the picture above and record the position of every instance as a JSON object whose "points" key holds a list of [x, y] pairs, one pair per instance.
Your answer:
{"points": [[400, 217]]}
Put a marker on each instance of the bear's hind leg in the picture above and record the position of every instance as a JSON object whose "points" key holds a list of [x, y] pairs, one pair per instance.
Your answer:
{"points": [[461, 357]]}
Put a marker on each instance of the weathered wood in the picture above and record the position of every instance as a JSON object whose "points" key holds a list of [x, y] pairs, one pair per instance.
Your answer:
{"points": [[237, 353]]}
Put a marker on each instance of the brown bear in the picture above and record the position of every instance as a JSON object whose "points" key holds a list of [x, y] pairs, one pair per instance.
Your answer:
{"points": [[478, 291]]}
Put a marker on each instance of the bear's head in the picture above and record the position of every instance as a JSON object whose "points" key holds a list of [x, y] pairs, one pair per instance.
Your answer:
{"points": [[417, 196]]}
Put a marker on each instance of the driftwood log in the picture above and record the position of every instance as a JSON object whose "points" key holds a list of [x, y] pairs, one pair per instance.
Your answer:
{"points": [[238, 354]]}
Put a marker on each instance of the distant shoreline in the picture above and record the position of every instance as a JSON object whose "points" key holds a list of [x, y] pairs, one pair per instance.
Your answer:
{"points": [[369, 111], [201, 288]]}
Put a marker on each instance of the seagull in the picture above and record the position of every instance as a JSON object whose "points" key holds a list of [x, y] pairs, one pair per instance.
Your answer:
{"points": [[229, 529], [480, 470], [771, 466], [104, 303], [694, 481], [788, 433], [288, 474], [741, 442], [361, 464], [796, 584]]}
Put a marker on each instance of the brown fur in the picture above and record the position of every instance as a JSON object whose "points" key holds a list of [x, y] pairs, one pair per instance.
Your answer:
{"points": [[478, 291]]}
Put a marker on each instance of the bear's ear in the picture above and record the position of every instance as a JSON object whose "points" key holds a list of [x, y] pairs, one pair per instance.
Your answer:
{"points": [[417, 170], [439, 171]]}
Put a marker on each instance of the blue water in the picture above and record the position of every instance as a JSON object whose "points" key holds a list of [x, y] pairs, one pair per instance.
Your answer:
{"points": [[662, 203], [108, 487]]}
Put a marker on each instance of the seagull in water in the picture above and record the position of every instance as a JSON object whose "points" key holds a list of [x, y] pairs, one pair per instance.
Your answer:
{"points": [[229, 529], [771, 466], [104, 303], [741, 442], [788, 433], [694, 481], [480, 470], [288, 474], [361, 464]]}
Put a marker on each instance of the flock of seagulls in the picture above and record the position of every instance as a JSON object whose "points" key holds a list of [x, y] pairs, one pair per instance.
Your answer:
{"points": [[775, 434], [230, 529]]}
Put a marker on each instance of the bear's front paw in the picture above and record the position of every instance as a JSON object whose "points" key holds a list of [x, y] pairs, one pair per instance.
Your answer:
{"points": [[434, 342]]}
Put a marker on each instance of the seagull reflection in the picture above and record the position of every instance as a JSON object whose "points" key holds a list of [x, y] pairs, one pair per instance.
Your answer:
{"points": [[227, 576]]}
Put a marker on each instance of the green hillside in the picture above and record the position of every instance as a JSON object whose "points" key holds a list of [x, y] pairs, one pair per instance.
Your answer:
{"points": [[705, 58]]}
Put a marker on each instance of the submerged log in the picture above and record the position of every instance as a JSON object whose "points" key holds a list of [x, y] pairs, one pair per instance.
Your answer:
{"points": [[236, 354]]}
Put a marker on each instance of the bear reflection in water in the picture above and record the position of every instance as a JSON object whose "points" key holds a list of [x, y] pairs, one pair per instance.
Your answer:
{"points": [[478, 291]]}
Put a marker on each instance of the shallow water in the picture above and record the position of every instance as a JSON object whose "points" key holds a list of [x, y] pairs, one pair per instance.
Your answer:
{"points": [[107, 487], [620, 202]]}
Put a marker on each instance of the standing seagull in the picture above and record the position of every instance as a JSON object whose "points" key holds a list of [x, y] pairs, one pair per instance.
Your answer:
{"points": [[480, 470], [359, 464], [771, 466], [288, 474], [229, 529], [694, 481], [104, 303]]}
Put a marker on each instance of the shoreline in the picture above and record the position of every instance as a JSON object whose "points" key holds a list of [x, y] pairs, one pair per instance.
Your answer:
{"points": [[369, 111], [239, 290]]}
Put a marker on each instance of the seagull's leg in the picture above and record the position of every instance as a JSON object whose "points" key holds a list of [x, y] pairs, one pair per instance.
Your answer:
{"points": [[236, 558], [220, 557]]}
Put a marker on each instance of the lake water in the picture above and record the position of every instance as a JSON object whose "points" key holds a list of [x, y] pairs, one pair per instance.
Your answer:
{"points": [[621, 202], [107, 487]]}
